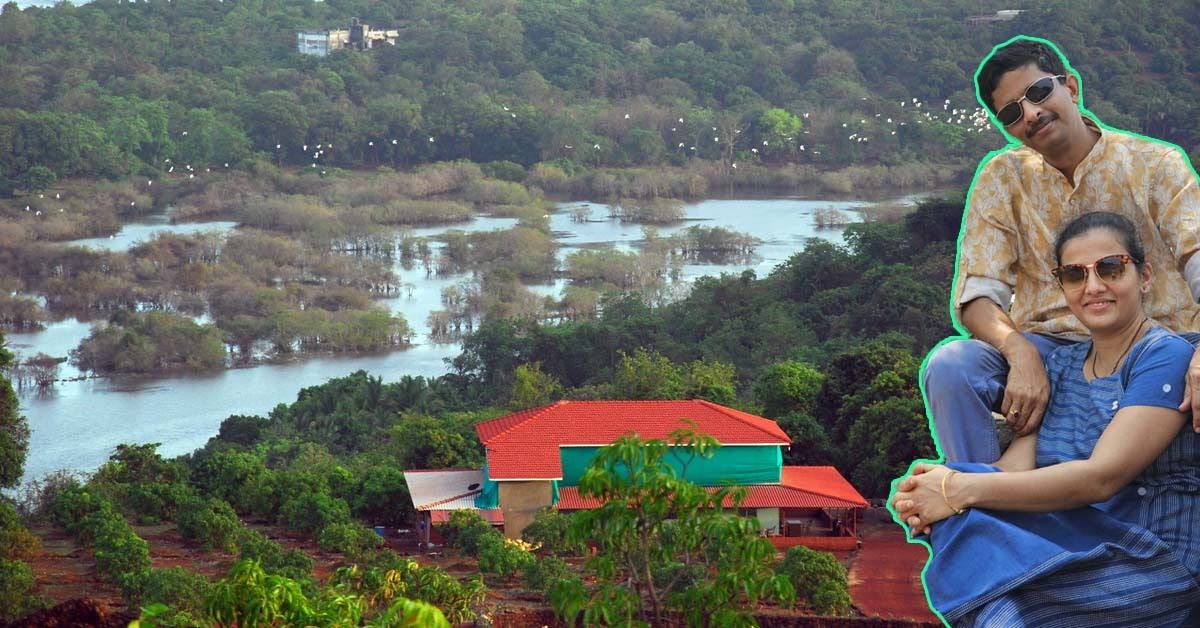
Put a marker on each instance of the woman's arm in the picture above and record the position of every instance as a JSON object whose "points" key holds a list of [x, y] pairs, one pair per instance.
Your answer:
{"points": [[1136, 436]]}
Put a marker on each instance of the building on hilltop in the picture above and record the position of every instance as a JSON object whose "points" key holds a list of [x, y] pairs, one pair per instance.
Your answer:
{"points": [[536, 457], [1004, 15], [358, 37]]}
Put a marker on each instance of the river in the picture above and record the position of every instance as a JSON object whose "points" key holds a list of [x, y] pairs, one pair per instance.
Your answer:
{"points": [[77, 424]]}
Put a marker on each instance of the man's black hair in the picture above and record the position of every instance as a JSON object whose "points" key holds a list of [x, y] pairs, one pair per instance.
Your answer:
{"points": [[1018, 54]]}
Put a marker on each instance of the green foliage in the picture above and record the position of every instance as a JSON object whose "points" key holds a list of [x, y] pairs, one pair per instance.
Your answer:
{"points": [[664, 544], [210, 522], [148, 342], [550, 529], [501, 556], [532, 388], [14, 430], [543, 572], [294, 564], [819, 579], [465, 530], [352, 540], [16, 542], [311, 512], [248, 596], [176, 586], [16, 590], [788, 387]]}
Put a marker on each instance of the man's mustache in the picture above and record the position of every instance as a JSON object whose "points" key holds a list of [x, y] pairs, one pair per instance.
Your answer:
{"points": [[1042, 121]]}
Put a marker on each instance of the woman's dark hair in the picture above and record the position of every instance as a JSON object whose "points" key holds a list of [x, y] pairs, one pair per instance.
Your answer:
{"points": [[1018, 54], [1118, 224]]}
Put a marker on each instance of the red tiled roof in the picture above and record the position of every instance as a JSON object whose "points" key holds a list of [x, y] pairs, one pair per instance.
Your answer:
{"points": [[789, 494], [525, 445], [824, 481]]}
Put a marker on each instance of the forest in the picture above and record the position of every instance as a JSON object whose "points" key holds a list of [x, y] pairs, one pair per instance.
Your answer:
{"points": [[112, 88]]}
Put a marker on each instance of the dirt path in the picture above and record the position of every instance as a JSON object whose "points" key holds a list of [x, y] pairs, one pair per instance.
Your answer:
{"points": [[885, 579]]}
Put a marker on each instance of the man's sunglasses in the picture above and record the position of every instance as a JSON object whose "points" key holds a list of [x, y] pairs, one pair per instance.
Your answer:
{"points": [[1108, 269], [1036, 93]]}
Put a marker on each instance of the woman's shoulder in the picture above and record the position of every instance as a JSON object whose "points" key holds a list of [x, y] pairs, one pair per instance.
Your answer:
{"points": [[1159, 346]]}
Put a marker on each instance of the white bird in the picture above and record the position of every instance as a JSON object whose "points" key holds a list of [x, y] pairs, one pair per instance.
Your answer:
{"points": [[370, 143], [513, 115], [278, 146], [672, 129], [691, 148], [37, 213], [802, 147], [734, 165], [596, 146], [227, 164], [171, 169], [764, 142], [505, 107], [567, 146], [681, 144], [626, 116], [843, 125], [191, 176], [61, 210], [26, 208], [754, 150], [318, 145], [681, 119], [149, 182], [805, 114], [185, 133], [430, 139], [304, 147]]}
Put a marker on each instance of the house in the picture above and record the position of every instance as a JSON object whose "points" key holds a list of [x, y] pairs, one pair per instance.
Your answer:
{"points": [[536, 457], [359, 37]]}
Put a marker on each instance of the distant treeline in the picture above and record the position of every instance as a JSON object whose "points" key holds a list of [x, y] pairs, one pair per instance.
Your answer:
{"points": [[114, 88]]}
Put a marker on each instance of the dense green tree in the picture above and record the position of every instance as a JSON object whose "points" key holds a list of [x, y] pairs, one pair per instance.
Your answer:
{"points": [[664, 544], [14, 430]]}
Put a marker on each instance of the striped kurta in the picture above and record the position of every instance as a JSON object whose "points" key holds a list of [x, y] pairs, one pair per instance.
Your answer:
{"points": [[1130, 561]]}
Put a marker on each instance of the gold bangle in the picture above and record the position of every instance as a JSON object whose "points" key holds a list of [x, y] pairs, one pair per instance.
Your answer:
{"points": [[957, 511]]}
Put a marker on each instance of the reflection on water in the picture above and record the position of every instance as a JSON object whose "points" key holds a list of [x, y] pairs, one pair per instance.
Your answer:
{"points": [[78, 423]]}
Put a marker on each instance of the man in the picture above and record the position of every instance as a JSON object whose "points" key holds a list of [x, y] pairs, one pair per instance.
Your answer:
{"points": [[1004, 295]]}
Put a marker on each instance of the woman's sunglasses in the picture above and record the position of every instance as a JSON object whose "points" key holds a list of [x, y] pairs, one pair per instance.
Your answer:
{"points": [[1036, 93], [1108, 269]]}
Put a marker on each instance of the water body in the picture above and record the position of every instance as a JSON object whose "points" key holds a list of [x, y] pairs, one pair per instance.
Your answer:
{"points": [[77, 424]]}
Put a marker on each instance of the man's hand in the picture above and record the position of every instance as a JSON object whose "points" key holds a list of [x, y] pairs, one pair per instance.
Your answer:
{"points": [[1191, 391], [1028, 388]]}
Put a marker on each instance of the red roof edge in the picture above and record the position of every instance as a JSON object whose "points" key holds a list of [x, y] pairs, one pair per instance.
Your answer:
{"points": [[738, 415]]}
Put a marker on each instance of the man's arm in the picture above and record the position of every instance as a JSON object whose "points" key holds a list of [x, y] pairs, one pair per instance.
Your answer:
{"points": [[1028, 388], [1175, 208]]}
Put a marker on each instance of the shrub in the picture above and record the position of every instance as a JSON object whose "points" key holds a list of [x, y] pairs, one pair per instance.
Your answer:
{"points": [[16, 543], [176, 586], [818, 578], [352, 540], [16, 585], [465, 531], [210, 522], [294, 564], [549, 529], [542, 572], [309, 513], [502, 556]]}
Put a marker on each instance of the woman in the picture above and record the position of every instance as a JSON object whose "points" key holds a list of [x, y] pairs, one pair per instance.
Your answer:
{"points": [[1092, 520]]}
